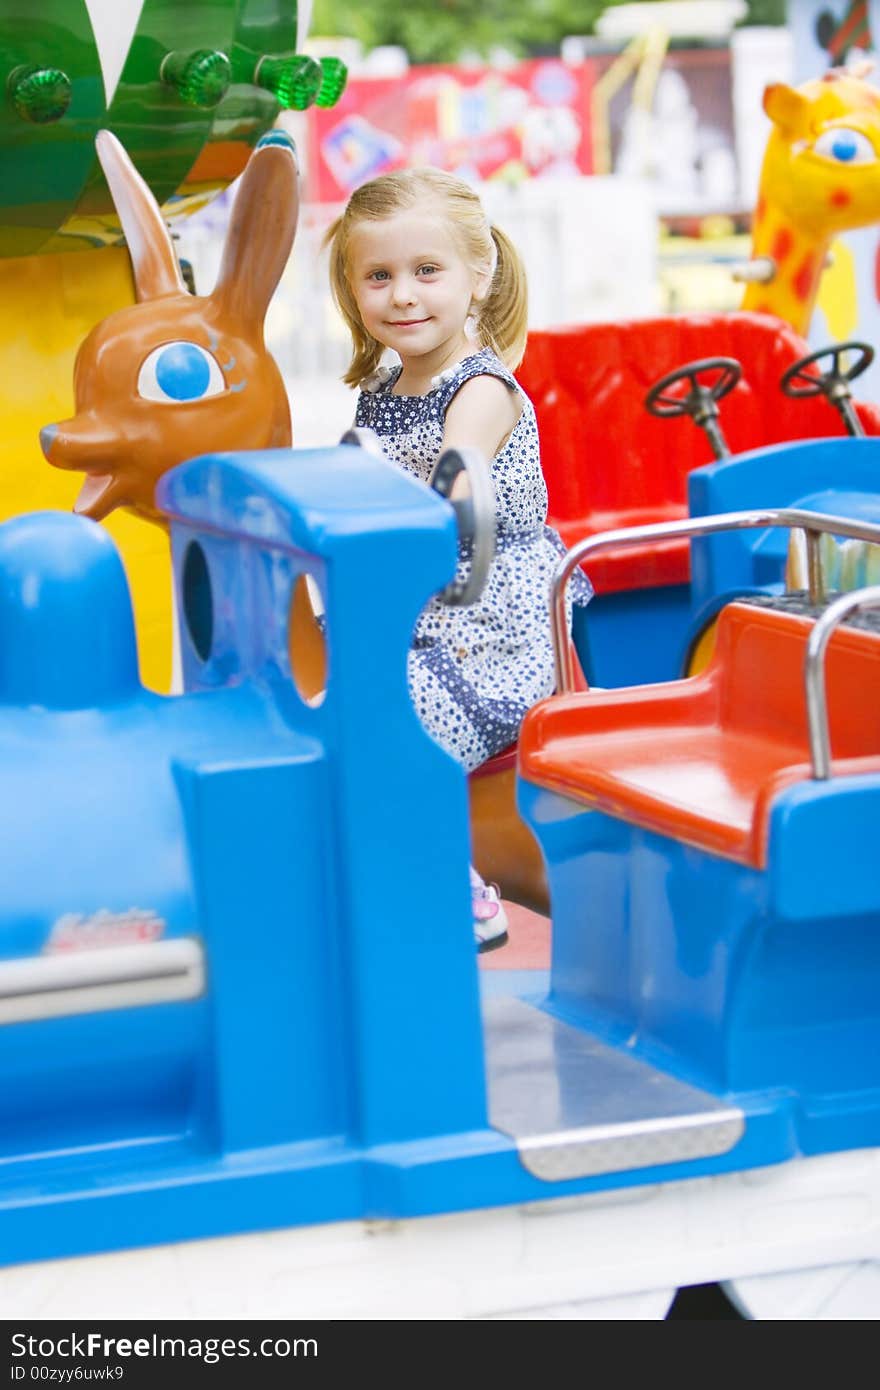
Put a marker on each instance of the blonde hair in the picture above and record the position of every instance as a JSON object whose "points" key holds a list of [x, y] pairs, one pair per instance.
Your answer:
{"points": [[500, 319]]}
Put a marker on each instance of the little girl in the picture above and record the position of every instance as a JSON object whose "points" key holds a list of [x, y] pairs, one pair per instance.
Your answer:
{"points": [[415, 267]]}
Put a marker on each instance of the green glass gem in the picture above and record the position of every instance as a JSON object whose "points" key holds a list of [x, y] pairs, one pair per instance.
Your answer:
{"points": [[334, 75], [200, 78], [294, 82], [39, 94]]}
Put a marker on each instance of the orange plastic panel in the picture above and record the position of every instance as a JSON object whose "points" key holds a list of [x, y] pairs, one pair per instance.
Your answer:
{"points": [[701, 760], [608, 463]]}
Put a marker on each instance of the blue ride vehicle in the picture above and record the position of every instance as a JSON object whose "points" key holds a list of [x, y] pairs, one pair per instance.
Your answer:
{"points": [[220, 1011]]}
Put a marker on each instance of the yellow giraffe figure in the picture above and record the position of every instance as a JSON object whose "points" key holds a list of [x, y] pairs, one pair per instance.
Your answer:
{"points": [[820, 177]]}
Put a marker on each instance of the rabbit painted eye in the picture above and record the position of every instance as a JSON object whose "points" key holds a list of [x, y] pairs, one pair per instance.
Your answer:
{"points": [[845, 146], [179, 372]]}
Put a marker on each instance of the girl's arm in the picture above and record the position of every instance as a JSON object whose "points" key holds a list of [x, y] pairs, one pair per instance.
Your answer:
{"points": [[481, 415]]}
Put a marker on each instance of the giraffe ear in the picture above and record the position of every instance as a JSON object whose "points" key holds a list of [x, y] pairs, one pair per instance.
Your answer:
{"points": [[786, 107]]}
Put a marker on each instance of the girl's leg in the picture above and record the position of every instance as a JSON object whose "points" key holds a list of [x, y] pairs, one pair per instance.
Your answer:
{"points": [[440, 699]]}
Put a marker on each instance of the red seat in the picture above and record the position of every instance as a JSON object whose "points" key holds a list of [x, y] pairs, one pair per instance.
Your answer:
{"points": [[701, 760], [608, 463]]}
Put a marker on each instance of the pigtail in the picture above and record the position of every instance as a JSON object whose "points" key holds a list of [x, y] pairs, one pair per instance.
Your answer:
{"points": [[366, 351], [503, 318]]}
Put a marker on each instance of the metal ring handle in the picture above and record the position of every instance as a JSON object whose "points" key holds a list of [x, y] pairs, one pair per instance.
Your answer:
{"points": [[813, 523], [475, 516], [814, 673]]}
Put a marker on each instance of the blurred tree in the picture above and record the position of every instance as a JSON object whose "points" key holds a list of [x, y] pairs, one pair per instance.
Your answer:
{"points": [[766, 12], [437, 31]]}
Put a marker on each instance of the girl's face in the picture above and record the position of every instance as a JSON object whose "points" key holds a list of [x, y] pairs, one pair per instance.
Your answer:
{"points": [[412, 288]]}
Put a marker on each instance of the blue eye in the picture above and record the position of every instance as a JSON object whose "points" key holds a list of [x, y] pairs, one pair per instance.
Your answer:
{"points": [[845, 146], [179, 372]]}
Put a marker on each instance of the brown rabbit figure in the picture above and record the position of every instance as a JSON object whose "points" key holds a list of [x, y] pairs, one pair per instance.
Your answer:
{"points": [[178, 374]]}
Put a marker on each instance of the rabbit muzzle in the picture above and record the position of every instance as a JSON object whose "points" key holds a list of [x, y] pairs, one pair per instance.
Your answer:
{"points": [[83, 444]]}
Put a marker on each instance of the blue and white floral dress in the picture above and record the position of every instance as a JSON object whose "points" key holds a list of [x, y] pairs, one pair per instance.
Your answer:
{"points": [[473, 672]]}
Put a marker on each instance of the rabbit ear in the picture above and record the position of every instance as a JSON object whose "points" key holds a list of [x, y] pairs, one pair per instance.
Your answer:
{"points": [[156, 271], [261, 230]]}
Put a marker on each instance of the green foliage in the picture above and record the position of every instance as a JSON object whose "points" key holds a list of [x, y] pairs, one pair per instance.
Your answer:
{"points": [[766, 12], [437, 31]]}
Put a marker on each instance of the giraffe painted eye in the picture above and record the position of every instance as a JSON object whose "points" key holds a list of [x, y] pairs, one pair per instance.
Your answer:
{"points": [[845, 146], [180, 372]]}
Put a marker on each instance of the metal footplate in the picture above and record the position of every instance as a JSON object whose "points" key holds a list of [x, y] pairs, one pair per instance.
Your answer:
{"points": [[577, 1108]]}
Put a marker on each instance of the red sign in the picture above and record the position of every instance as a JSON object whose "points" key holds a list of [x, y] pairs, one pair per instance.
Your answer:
{"points": [[528, 121]]}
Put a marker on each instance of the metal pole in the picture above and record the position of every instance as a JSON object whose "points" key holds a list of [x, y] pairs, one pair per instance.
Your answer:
{"points": [[814, 673], [670, 530], [815, 572]]}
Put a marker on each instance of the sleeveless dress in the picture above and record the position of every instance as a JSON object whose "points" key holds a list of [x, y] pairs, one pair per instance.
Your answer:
{"points": [[474, 672]]}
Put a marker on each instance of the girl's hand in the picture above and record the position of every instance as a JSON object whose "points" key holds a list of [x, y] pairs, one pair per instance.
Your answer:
{"points": [[481, 416]]}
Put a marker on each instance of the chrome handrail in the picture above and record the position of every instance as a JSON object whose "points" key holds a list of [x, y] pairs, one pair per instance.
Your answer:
{"points": [[60, 984], [812, 523], [814, 673]]}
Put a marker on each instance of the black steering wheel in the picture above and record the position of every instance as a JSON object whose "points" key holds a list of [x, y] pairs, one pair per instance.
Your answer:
{"points": [[800, 383], [728, 372], [474, 515], [700, 402]]}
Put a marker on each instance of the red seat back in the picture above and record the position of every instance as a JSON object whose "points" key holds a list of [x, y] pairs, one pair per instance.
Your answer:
{"points": [[608, 463]]}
